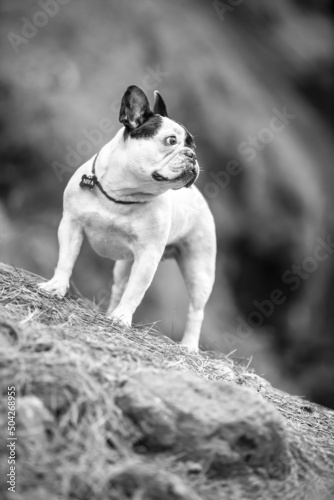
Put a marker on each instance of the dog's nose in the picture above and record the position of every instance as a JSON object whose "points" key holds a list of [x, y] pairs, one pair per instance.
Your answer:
{"points": [[190, 154]]}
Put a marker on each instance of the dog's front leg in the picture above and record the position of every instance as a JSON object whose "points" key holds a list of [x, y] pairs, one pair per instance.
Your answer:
{"points": [[141, 276], [70, 237], [121, 275]]}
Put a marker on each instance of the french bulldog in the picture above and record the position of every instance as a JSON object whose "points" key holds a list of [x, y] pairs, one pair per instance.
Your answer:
{"points": [[137, 204]]}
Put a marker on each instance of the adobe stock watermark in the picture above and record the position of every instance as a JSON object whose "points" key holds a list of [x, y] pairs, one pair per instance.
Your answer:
{"points": [[96, 137], [266, 135], [222, 8], [30, 27], [248, 148], [293, 278]]}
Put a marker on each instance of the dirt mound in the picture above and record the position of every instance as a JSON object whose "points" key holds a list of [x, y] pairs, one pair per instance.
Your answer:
{"points": [[110, 413], [226, 428]]}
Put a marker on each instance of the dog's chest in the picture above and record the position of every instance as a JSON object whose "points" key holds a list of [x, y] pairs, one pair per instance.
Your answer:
{"points": [[110, 235]]}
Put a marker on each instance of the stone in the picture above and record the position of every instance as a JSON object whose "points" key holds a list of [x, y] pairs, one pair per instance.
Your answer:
{"points": [[227, 427], [144, 481]]}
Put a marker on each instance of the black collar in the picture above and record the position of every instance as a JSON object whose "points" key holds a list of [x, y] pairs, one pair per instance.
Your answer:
{"points": [[90, 181]]}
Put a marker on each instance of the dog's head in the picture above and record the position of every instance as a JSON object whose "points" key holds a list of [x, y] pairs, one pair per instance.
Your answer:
{"points": [[159, 151]]}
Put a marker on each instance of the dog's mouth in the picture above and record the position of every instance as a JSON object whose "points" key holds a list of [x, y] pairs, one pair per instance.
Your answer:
{"points": [[188, 176]]}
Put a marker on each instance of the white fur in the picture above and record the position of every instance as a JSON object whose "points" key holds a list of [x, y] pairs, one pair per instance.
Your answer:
{"points": [[135, 236]]}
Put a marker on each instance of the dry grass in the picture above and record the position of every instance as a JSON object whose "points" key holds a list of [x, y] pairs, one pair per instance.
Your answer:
{"points": [[70, 356], [80, 319], [74, 359]]}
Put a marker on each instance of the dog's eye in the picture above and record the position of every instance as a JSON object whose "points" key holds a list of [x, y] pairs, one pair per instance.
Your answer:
{"points": [[171, 140]]}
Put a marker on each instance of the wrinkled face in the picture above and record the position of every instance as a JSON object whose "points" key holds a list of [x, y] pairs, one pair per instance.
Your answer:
{"points": [[163, 152], [159, 152]]}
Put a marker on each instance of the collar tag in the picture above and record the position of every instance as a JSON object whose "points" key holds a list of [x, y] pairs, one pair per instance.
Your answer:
{"points": [[88, 181]]}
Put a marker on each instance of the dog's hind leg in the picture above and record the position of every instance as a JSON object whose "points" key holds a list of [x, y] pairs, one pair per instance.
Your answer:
{"points": [[197, 264], [121, 273], [70, 237]]}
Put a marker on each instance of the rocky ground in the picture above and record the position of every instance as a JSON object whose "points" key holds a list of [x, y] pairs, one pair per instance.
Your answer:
{"points": [[104, 412]]}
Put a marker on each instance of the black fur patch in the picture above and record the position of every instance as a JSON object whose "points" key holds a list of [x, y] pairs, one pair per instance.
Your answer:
{"points": [[159, 105], [147, 130], [135, 108], [189, 140]]}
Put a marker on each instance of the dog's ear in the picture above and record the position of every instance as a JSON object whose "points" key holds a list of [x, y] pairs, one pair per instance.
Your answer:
{"points": [[159, 105], [135, 108]]}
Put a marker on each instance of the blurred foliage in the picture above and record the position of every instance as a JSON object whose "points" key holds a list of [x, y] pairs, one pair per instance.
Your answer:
{"points": [[222, 73]]}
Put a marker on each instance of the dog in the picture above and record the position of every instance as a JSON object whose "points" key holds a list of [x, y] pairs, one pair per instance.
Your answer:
{"points": [[137, 204]]}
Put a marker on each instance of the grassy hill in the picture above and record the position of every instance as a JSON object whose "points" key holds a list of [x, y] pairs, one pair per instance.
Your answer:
{"points": [[105, 412]]}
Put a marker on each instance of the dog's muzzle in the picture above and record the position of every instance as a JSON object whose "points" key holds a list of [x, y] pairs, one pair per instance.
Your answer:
{"points": [[188, 175]]}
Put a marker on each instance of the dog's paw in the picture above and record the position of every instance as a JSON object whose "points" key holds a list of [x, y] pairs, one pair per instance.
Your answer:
{"points": [[55, 287], [121, 316], [190, 346]]}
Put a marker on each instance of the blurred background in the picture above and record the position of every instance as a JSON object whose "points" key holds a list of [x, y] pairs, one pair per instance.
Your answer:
{"points": [[253, 81]]}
